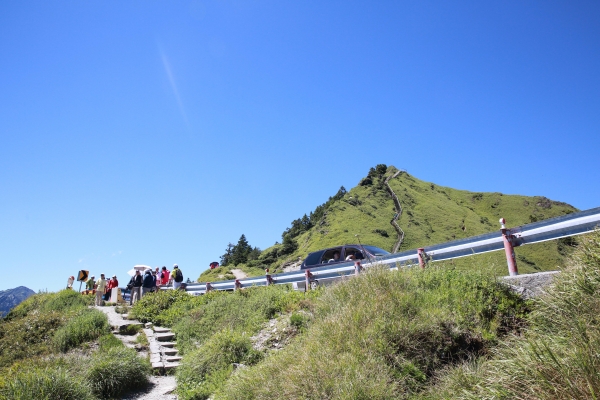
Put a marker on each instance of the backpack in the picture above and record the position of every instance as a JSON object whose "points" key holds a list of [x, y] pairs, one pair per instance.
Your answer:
{"points": [[178, 276]]}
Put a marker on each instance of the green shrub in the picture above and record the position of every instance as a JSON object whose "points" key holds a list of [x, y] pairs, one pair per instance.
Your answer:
{"points": [[149, 307], [87, 325], [45, 384], [297, 320], [385, 335], [116, 370], [558, 357], [245, 310], [62, 301], [66, 300], [205, 369], [109, 341], [21, 338]]}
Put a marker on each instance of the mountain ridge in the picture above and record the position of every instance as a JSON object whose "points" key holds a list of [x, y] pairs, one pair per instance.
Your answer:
{"points": [[12, 297], [428, 214]]}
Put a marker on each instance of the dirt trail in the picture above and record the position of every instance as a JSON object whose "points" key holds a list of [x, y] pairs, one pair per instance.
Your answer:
{"points": [[398, 212], [239, 274]]}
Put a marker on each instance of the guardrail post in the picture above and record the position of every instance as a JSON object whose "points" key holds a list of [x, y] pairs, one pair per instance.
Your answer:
{"points": [[421, 257], [237, 285], [357, 267], [511, 260], [208, 287], [307, 276]]}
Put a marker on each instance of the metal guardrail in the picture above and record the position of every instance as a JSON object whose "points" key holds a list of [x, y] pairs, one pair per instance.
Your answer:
{"points": [[554, 228]]}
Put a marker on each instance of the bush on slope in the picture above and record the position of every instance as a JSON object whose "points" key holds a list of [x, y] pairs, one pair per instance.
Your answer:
{"points": [[384, 335], [558, 357]]}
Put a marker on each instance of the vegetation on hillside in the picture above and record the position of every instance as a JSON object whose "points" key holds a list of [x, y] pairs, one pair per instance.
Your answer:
{"points": [[440, 333], [431, 214], [385, 335], [558, 357], [214, 331], [53, 346]]}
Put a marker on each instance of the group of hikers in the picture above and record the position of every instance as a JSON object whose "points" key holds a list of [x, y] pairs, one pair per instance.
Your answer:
{"points": [[138, 285], [152, 281], [102, 287]]}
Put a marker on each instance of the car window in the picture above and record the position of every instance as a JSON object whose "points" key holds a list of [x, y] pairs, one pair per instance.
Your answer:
{"points": [[376, 251], [352, 251], [330, 255], [313, 258]]}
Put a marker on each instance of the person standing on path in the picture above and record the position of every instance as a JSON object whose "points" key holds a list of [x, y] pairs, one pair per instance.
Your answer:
{"points": [[177, 277], [155, 281], [164, 276], [148, 283], [89, 284], [100, 288], [136, 286]]}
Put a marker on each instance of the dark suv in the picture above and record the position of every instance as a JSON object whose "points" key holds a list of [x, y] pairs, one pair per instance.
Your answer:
{"points": [[338, 254]]}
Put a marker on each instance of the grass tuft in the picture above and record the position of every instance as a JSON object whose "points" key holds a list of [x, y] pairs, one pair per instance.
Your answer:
{"points": [[87, 325], [116, 370]]}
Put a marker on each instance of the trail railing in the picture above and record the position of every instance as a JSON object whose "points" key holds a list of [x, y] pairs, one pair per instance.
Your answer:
{"points": [[554, 228]]}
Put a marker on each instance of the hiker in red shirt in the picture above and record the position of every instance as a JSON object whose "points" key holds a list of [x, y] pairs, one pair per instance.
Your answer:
{"points": [[165, 276]]}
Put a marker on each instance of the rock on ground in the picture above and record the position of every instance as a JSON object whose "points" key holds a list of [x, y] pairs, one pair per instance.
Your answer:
{"points": [[530, 285]]}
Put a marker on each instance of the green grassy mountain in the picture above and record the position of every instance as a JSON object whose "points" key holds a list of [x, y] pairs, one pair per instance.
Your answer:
{"points": [[430, 214]]}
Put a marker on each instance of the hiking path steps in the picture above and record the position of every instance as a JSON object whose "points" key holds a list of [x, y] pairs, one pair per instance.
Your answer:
{"points": [[163, 355]]}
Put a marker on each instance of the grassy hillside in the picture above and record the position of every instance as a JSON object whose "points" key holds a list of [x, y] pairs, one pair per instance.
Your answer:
{"points": [[438, 333], [53, 346], [431, 214]]}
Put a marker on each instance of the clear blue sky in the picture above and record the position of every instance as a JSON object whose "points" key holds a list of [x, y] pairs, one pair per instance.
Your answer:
{"points": [[152, 132]]}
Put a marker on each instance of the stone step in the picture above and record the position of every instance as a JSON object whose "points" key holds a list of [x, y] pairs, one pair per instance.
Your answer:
{"points": [[173, 365], [169, 351], [172, 359], [168, 344], [158, 329], [158, 365], [164, 337], [155, 358]]}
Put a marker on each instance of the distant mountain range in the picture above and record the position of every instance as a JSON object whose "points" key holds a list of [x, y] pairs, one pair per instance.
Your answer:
{"points": [[12, 297]]}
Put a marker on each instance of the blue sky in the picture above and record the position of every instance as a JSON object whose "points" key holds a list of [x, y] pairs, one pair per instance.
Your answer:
{"points": [[149, 132]]}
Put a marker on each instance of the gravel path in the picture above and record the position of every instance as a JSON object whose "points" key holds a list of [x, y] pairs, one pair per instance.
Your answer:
{"points": [[239, 274], [160, 387]]}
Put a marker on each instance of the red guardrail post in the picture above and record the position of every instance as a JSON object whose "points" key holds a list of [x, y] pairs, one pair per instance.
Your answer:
{"points": [[421, 257], [208, 287], [307, 276], [357, 267], [511, 260], [237, 285]]}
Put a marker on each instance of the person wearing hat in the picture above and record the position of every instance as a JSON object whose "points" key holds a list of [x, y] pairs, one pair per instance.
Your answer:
{"points": [[100, 288]]}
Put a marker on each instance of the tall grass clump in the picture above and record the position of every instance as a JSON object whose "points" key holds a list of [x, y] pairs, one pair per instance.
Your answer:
{"points": [[22, 338], [384, 335], [116, 370], [62, 301], [87, 325], [559, 355], [49, 383], [150, 307], [206, 369], [242, 311]]}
